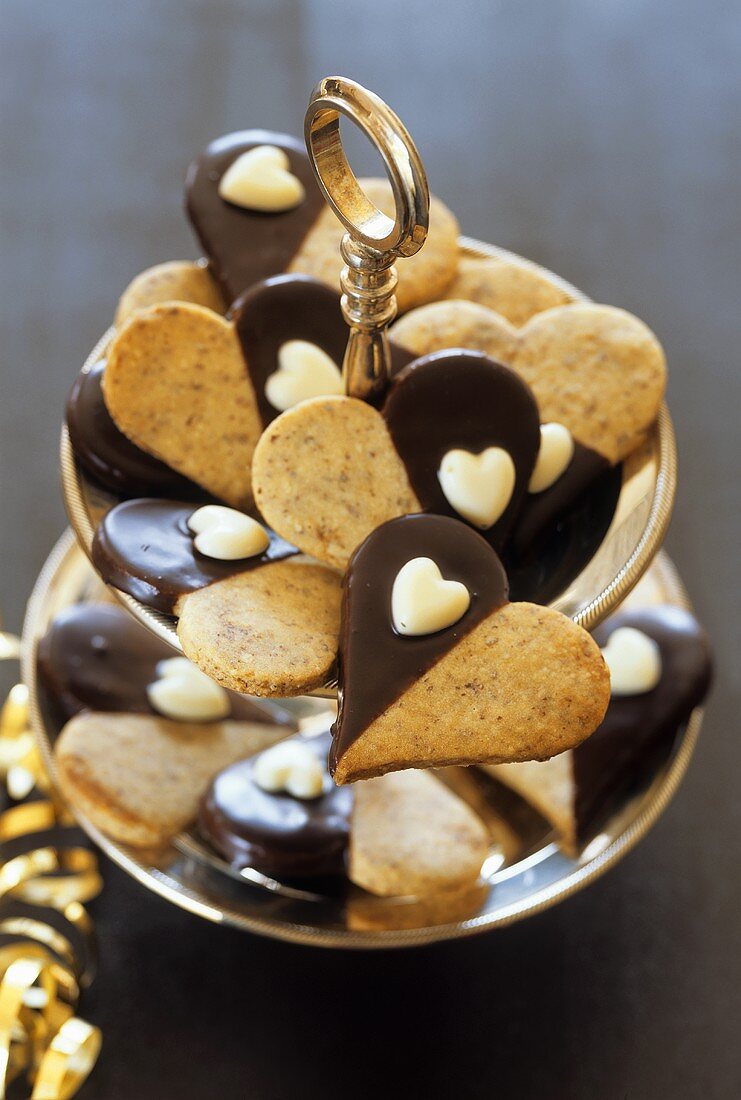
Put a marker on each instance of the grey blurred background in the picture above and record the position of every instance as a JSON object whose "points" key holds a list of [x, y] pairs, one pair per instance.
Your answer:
{"points": [[599, 137]]}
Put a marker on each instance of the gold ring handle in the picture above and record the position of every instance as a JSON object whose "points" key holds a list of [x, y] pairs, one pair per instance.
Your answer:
{"points": [[373, 241]]}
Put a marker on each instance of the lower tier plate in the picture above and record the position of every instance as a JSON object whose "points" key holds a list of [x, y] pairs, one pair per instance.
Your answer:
{"points": [[525, 872]]}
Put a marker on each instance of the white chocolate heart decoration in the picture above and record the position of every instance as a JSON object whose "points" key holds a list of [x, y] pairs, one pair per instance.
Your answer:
{"points": [[227, 534], [556, 452], [292, 767], [422, 602], [261, 179], [186, 694], [479, 487], [634, 661], [304, 371]]}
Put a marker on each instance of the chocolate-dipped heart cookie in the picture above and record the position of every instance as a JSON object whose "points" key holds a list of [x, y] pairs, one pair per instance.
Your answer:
{"points": [[143, 731], [596, 372], [193, 389], [502, 682], [138, 778], [96, 657], [577, 789], [595, 369], [257, 211], [173, 281], [253, 614], [106, 454], [280, 813], [457, 435]]}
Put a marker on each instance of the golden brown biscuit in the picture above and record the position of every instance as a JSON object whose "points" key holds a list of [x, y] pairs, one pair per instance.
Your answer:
{"points": [[513, 289], [174, 281], [595, 369], [422, 278], [456, 324], [326, 473], [411, 835], [175, 383], [525, 684], [139, 778], [268, 631]]}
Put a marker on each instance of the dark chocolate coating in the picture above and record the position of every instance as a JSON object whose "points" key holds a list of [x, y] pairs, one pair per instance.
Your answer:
{"points": [[144, 547], [292, 307], [635, 726], [105, 452], [288, 307], [277, 834], [377, 665], [540, 512], [97, 657], [246, 246], [462, 399], [539, 570]]}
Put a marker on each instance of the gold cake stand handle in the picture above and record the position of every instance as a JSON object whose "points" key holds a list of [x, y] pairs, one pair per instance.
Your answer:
{"points": [[373, 241]]}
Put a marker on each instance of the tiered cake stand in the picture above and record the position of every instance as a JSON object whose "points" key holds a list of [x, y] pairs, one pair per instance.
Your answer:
{"points": [[526, 871]]}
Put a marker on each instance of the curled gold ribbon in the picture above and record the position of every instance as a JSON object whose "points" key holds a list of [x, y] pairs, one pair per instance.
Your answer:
{"points": [[68, 1060], [29, 817], [41, 969], [63, 1048]]}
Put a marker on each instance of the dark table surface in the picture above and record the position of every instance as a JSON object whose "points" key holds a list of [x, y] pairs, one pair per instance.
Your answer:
{"points": [[600, 138]]}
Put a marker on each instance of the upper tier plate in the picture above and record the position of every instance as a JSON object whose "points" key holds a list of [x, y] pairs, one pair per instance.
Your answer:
{"points": [[633, 538]]}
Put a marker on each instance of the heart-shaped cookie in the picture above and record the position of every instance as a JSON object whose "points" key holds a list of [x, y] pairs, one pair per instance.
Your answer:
{"points": [[597, 373], [331, 470], [404, 834], [106, 453], [266, 624], [505, 682], [97, 657], [577, 789], [253, 221], [174, 281], [191, 388], [139, 778], [595, 369], [246, 244]]}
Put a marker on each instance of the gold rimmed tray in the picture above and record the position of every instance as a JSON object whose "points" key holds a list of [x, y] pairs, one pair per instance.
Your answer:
{"points": [[526, 871], [635, 534]]}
